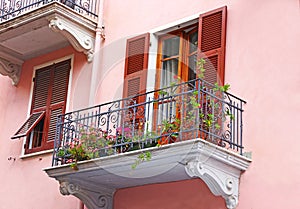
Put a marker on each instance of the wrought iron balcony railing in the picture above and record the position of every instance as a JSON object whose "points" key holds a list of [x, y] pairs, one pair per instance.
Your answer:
{"points": [[194, 109], [12, 8]]}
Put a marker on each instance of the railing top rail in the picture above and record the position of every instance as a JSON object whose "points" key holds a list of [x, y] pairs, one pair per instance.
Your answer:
{"points": [[205, 84]]}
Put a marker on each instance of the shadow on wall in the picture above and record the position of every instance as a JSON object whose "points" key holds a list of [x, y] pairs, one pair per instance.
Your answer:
{"points": [[188, 194]]}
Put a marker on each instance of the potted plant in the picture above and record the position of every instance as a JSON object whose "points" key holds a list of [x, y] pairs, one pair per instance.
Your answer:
{"points": [[91, 143], [169, 131]]}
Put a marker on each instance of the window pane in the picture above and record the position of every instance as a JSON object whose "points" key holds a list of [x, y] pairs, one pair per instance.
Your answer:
{"points": [[192, 67], [36, 136], [193, 39], [168, 72], [171, 47]]}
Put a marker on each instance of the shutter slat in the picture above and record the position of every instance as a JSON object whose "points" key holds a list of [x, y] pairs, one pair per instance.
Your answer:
{"points": [[211, 32], [52, 123], [41, 88], [60, 82], [133, 86], [211, 66], [135, 55]]}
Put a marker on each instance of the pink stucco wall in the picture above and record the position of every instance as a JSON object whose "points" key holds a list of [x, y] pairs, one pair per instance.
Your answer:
{"points": [[191, 194], [262, 66]]}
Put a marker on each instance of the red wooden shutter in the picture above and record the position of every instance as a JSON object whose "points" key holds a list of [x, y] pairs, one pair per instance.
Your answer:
{"points": [[136, 64], [29, 124], [135, 78], [41, 89], [48, 101], [211, 44], [57, 99]]}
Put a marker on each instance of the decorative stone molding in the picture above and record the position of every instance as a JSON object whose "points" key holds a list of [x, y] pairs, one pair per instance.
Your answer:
{"points": [[81, 40], [100, 199], [11, 70], [218, 167], [220, 182]]}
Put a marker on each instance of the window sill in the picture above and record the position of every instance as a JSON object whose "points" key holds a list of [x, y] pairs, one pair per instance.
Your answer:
{"points": [[24, 156]]}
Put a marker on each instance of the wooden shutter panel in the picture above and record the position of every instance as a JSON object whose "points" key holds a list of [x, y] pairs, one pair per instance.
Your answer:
{"points": [[29, 124], [136, 64], [211, 44], [59, 90], [41, 88], [52, 123], [60, 82]]}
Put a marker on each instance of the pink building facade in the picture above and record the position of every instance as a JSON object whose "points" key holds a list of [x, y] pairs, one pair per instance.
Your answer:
{"points": [[61, 56]]}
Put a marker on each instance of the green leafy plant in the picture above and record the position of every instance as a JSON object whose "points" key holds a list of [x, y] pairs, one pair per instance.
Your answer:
{"points": [[144, 156], [169, 131]]}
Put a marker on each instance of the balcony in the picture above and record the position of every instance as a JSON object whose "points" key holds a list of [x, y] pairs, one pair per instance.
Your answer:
{"points": [[34, 27], [183, 131]]}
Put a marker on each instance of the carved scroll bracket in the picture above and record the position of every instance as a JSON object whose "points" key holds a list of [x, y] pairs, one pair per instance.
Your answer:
{"points": [[11, 70], [102, 198], [220, 182], [77, 35]]}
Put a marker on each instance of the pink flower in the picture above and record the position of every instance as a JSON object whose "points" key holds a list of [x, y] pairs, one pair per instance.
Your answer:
{"points": [[125, 130], [176, 77]]}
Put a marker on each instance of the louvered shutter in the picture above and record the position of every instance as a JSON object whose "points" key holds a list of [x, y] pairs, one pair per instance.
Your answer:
{"points": [[41, 89], [136, 64], [29, 124], [135, 78], [48, 101], [211, 44], [211, 47], [57, 99]]}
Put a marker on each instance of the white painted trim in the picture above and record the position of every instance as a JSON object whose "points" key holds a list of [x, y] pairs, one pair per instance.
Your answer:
{"points": [[176, 24], [70, 83], [24, 156]]}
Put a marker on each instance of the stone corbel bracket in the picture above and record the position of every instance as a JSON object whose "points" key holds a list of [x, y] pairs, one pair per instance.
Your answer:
{"points": [[220, 171], [100, 198], [77, 35], [11, 70]]}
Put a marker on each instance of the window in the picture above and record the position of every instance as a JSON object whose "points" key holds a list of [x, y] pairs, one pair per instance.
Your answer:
{"points": [[178, 52], [48, 101], [177, 56]]}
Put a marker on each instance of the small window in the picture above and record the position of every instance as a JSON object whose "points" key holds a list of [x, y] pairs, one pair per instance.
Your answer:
{"points": [[48, 101]]}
